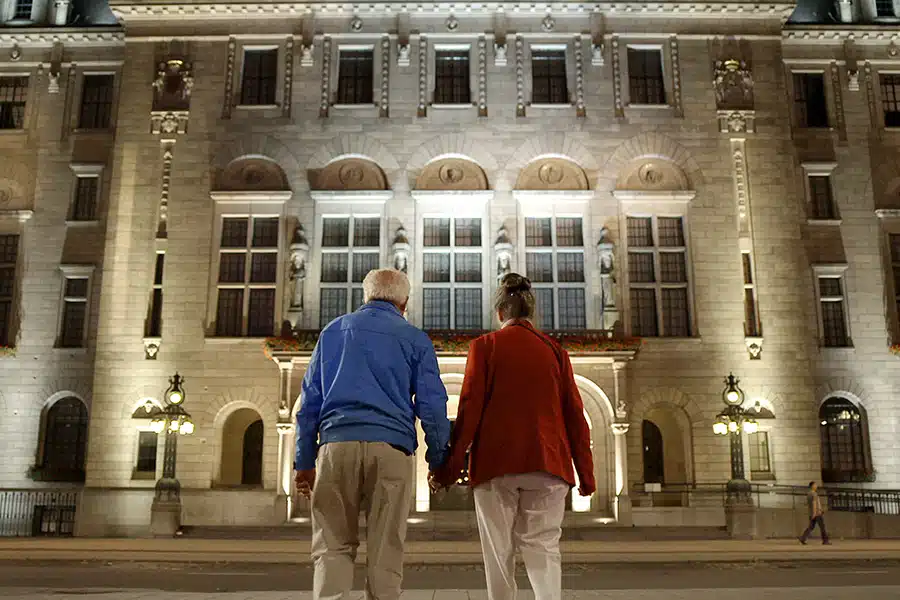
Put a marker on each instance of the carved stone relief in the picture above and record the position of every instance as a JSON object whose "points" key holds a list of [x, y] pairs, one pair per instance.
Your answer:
{"points": [[349, 174], [288, 77], [252, 174], [482, 77], [579, 78], [325, 90], [452, 174], [173, 85], [676, 77], [652, 174], [384, 106], [503, 248], [617, 78], [552, 174], [228, 101], [423, 77], [168, 148], [606, 261], [838, 102], [733, 83], [520, 76], [400, 250], [299, 257]]}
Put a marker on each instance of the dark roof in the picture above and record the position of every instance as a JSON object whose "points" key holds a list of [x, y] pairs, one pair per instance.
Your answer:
{"points": [[815, 12]]}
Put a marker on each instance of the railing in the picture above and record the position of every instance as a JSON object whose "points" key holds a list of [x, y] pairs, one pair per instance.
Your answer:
{"points": [[38, 512], [766, 495]]}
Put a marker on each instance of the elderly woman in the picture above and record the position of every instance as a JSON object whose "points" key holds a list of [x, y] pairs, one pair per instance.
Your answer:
{"points": [[522, 421]]}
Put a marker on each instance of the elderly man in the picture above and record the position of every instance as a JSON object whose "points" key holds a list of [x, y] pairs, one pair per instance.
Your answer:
{"points": [[370, 376]]}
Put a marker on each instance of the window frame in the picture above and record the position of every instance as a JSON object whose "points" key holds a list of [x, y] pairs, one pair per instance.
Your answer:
{"points": [[113, 101], [820, 169], [750, 286], [137, 474], [46, 473], [240, 59], [71, 272], [12, 332], [152, 329], [435, 46], [664, 49], [15, 17], [769, 475], [569, 72], [829, 99], [375, 49], [85, 171], [855, 476], [838, 272], [26, 109], [247, 205]]}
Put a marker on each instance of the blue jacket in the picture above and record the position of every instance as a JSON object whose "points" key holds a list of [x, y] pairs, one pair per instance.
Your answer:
{"points": [[359, 387]]}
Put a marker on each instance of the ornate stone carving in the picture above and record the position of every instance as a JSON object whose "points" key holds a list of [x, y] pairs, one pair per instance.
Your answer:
{"points": [[620, 428], [754, 347], [597, 50], [652, 174], [733, 84], [15, 53], [520, 76], [606, 261], [617, 79], [852, 65], [288, 77], [306, 55], [403, 55], [151, 347], [350, 174], [53, 82], [676, 77], [299, 256], [548, 24], [356, 24], [741, 191], [838, 102], [384, 109], [482, 77], [452, 23], [579, 77], [400, 250], [168, 147], [737, 121], [452, 174], [173, 85], [252, 174], [503, 248], [228, 102], [552, 174], [870, 98], [423, 77], [325, 91], [500, 54], [853, 80], [168, 122]]}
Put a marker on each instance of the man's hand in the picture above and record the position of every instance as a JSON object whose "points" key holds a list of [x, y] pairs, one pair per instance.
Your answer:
{"points": [[305, 481], [433, 482]]}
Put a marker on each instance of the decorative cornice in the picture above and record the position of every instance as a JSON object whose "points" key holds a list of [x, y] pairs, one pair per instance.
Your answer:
{"points": [[48, 37], [863, 33]]}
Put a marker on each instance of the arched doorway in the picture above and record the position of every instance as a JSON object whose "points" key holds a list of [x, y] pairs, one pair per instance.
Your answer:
{"points": [[654, 455], [65, 441], [242, 449]]}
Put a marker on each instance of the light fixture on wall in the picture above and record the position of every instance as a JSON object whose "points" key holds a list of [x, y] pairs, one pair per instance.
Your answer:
{"points": [[735, 421]]}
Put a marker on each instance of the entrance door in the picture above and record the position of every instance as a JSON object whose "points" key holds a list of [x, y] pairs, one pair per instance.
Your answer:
{"points": [[654, 463], [251, 471]]}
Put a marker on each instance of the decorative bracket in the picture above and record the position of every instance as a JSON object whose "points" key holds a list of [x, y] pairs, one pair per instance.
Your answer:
{"points": [[754, 347], [151, 347]]}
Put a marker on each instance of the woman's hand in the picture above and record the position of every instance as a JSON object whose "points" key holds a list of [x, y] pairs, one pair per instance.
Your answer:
{"points": [[586, 491]]}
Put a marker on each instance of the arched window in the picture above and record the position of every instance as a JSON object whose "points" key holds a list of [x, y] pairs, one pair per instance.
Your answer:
{"points": [[65, 441], [251, 470], [845, 442]]}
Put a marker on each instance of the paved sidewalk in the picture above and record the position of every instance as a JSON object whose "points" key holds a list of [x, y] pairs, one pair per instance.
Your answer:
{"points": [[575, 552]]}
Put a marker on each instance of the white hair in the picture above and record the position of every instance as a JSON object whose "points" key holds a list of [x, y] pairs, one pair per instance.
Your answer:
{"points": [[389, 285]]}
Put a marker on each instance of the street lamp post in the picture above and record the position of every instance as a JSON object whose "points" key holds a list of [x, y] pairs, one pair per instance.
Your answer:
{"points": [[734, 421], [165, 518]]}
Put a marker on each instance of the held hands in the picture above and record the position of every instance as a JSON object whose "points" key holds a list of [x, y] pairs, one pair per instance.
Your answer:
{"points": [[306, 481], [586, 491]]}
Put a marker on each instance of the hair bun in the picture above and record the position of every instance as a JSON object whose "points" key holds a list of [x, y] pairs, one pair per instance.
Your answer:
{"points": [[514, 283]]}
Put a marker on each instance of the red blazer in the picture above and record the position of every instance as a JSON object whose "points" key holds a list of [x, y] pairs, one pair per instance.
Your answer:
{"points": [[534, 418]]}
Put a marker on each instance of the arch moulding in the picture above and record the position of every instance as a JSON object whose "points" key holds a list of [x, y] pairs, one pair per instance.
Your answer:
{"points": [[651, 148], [669, 397], [452, 172], [552, 172], [846, 388], [259, 147]]}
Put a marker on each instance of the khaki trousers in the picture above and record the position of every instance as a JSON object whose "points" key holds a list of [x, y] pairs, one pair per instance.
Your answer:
{"points": [[351, 477], [523, 512]]}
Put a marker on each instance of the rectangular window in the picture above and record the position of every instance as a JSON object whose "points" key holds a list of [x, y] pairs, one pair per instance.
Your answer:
{"points": [[260, 77], [9, 254], [146, 457], [821, 198], [554, 261], [13, 94], [75, 296], [96, 102], [452, 273], [23, 10], [548, 77], [894, 240], [351, 247], [451, 77], [355, 79], [84, 205], [884, 8], [154, 322], [834, 321], [645, 77], [760, 456], [658, 277], [890, 96], [751, 312], [248, 265], [810, 107]]}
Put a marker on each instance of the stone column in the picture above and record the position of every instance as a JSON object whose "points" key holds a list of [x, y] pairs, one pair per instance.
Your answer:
{"points": [[622, 502], [285, 427], [422, 490]]}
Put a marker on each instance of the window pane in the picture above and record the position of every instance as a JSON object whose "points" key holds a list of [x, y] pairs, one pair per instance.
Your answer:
{"points": [[154, 327], [468, 309], [569, 232], [261, 317], [363, 262], [675, 313], [890, 95], [570, 267], [748, 268], [539, 267], [671, 234], [355, 77], [884, 8], [76, 287], [538, 232], [572, 314], [645, 77], [65, 439], [451, 77], [468, 267], [335, 233], [468, 232], [437, 233], [810, 107], [5, 321], [436, 267], [894, 240], [834, 327], [73, 324], [436, 308], [9, 248], [759, 452], [146, 459], [640, 267], [640, 232], [830, 287], [548, 77], [844, 449], [85, 205], [334, 267], [259, 77], [7, 281], [23, 9], [234, 232], [751, 324], [231, 267], [367, 232], [263, 267], [230, 313], [265, 232], [643, 313], [96, 102], [672, 268], [821, 198], [13, 93], [544, 307], [158, 269], [332, 304], [356, 299]]}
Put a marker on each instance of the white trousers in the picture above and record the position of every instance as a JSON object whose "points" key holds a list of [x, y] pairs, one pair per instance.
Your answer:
{"points": [[525, 513]]}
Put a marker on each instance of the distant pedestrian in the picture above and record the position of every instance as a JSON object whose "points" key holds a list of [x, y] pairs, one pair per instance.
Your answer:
{"points": [[356, 437], [521, 415], [816, 515]]}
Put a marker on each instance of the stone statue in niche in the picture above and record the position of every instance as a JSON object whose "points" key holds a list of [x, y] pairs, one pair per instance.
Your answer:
{"points": [[607, 263], [173, 85], [400, 250], [299, 256], [503, 248], [733, 83]]}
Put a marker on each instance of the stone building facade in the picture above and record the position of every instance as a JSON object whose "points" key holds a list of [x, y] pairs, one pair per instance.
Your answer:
{"points": [[694, 189]]}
